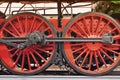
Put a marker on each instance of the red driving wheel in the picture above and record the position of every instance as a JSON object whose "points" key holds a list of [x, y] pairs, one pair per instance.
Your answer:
{"points": [[92, 58], [34, 58]]}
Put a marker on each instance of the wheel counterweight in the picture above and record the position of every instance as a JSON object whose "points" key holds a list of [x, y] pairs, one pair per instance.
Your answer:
{"points": [[35, 58], [92, 58]]}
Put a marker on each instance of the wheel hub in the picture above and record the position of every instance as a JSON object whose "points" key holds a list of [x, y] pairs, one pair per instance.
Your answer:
{"points": [[93, 46]]}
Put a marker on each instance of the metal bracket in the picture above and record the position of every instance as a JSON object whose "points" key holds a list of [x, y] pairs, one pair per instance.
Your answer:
{"points": [[107, 38], [59, 14]]}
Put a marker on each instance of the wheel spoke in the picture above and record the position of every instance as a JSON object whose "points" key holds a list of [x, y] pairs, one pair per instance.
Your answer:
{"points": [[29, 64], [80, 55], [14, 28], [101, 32], [12, 49], [42, 50], [98, 26], [92, 20], [115, 47], [85, 58], [18, 57], [77, 44], [35, 60], [39, 55], [113, 29], [39, 26], [26, 24], [99, 54], [96, 61], [46, 29], [20, 25], [112, 46], [49, 36], [11, 33], [31, 27], [78, 33], [23, 60], [81, 29], [90, 61], [116, 37], [77, 50], [106, 55], [16, 52], [111, 50], [84, 22]]}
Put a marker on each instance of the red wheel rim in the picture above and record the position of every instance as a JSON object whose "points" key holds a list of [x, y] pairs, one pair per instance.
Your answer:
{"points": [[34, 58], [92, 58]]}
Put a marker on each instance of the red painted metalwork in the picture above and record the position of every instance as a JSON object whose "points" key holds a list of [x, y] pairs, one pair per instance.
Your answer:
{"points": [[92, 58], [1, 20], [34, 58]]}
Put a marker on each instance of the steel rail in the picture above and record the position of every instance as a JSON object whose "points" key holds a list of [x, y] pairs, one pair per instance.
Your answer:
{"points": [[38, 77]]}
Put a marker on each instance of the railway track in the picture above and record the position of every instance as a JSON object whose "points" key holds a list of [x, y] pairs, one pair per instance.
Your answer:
{"points": [[60, 77], [51, 75], [58, 74]]}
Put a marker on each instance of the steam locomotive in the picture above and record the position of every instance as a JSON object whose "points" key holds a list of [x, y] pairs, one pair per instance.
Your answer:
{"points": [[88, 43]]}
